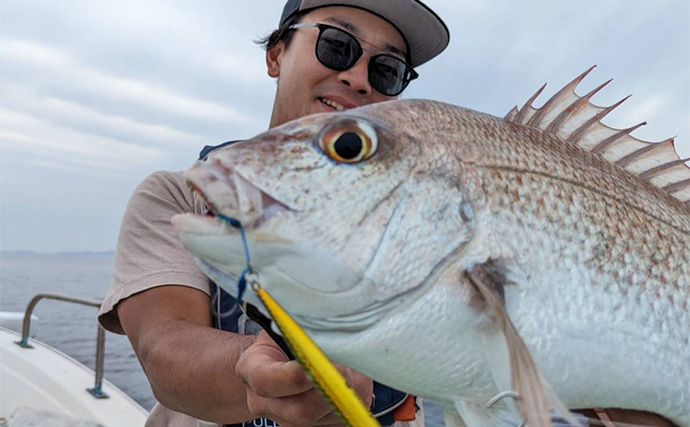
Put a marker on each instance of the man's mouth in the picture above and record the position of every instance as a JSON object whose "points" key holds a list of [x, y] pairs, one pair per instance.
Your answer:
{"points": [[333, 104]]}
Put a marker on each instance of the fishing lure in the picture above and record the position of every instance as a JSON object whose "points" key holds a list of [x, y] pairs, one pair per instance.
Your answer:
{"points": [[325, 376]]}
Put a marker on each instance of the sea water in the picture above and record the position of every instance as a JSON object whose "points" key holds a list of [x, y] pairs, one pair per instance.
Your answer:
{"points": [[72, 328]]}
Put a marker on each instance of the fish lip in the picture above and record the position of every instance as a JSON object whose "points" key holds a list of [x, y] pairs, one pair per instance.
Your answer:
{"points": [[228, 176]]}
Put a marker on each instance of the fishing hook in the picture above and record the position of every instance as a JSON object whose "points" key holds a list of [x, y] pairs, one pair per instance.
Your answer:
{"points": [[502, 395]]}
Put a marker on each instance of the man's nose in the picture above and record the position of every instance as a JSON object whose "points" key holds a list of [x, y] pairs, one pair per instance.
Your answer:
{"points": [[357, 76]]}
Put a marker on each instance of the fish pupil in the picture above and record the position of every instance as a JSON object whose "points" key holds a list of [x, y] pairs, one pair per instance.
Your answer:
{"points": [[348, 145]]}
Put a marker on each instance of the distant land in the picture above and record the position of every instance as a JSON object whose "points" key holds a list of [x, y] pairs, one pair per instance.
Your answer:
{"points": [[69, 253]]}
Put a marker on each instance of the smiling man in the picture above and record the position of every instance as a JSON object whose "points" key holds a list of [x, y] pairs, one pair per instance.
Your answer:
{"points": [[319, 46], [205, 360]]}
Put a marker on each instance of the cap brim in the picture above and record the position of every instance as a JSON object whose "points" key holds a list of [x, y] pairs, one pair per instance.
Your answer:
{"points": [[426, 34]]}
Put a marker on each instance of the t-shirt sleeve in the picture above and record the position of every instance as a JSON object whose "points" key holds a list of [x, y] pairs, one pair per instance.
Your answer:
{"points": [[149, 253]]}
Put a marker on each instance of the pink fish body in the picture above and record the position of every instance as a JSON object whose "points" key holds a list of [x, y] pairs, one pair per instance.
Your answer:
{"points": [[440, 251]]}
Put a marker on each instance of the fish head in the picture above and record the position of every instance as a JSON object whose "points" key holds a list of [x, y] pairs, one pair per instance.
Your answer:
{"points": [[345, 214]]}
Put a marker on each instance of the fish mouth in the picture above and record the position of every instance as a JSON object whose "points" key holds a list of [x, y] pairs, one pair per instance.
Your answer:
{"points": [[230, 197]]}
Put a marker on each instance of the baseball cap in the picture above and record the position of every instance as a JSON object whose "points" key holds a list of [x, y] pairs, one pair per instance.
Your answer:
{"points": [[425, 33]]}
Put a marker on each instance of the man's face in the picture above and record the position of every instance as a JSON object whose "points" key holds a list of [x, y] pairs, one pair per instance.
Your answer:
{"points": [[305, 86]]}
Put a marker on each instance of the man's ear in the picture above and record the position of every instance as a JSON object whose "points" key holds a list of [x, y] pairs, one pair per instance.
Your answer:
{"points": [[274, 56]]}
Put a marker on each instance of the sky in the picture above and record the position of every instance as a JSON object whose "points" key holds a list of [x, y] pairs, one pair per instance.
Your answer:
{"points": [[96, 95]]}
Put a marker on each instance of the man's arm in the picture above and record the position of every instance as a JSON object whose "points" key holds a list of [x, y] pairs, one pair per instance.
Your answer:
{"points": [[190, 365], [193, 368]]}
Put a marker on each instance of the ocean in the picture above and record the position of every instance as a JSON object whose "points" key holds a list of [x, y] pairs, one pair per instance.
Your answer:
{"points": [[72, 328]]}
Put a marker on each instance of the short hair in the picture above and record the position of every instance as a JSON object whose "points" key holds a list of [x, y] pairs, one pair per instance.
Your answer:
{"points": [[282, 34]]}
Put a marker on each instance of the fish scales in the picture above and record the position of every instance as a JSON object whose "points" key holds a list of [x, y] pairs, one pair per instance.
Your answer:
{"points": [[369, 257], [495, 143], [588, 218], [631, 283]]}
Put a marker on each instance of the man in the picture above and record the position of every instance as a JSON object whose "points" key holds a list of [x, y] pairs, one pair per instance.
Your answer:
{"points": [[326, 56]]}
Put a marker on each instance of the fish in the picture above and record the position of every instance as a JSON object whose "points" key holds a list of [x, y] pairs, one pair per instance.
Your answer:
{"points": [[510, 269]]}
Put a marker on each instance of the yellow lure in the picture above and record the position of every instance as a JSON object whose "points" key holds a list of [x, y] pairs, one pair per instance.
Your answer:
{"points": [[328, 380]]}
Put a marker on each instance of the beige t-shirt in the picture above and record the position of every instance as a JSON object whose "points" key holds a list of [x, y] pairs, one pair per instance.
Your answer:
{"points": [[150, 254]]}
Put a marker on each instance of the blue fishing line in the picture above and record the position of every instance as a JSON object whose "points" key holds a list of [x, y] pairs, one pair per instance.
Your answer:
{"points": [[242, 286], [242, 282]]}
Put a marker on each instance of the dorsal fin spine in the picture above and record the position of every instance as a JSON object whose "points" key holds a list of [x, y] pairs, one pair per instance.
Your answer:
{"points": [[577, 134], [512, 114], [662, 168], [625, 161], [525, 108], [677, 186], [535, 121], [603, 145], [579, 103]]}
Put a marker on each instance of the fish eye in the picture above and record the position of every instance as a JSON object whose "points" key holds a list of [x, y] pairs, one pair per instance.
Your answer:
{"points": [[348, 141]]}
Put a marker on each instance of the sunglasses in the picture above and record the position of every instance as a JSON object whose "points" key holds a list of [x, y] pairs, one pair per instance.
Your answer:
{"points": [[339, 50]]}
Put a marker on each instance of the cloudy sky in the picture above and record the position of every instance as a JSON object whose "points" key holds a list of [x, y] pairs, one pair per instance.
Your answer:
{"points": [[96, 95]]}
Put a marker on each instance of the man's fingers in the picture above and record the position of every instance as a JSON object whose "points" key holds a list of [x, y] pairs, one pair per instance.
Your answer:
{"points": [[362, 385], [279, 389], [266, 371], [308, 408], [329, 420], [278, 379]]}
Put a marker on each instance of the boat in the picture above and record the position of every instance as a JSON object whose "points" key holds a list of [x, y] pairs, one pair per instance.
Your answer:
{"points": [[40, 385]]}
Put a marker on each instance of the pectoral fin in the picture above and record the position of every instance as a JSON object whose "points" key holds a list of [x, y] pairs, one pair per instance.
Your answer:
{"points": [[509, 358]]}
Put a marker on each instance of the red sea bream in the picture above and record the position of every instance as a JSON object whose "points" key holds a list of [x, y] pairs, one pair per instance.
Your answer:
{"points": [[456, 255]]}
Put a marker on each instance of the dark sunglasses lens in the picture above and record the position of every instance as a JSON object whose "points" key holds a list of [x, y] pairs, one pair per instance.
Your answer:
{"points": [[337, 49], [387, 74]]}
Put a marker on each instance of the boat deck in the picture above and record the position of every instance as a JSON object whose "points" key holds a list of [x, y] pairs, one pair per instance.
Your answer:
{"points": [[44, 380]]}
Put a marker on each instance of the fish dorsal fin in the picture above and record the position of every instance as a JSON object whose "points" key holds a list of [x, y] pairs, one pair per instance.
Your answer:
{"points": [[577, 120]]}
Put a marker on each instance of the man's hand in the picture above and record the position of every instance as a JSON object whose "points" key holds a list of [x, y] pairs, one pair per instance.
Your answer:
{"points": [[279, 390]]}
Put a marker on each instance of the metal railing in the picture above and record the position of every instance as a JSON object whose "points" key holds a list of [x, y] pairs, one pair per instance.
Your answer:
{"points": [[97, 390]]}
